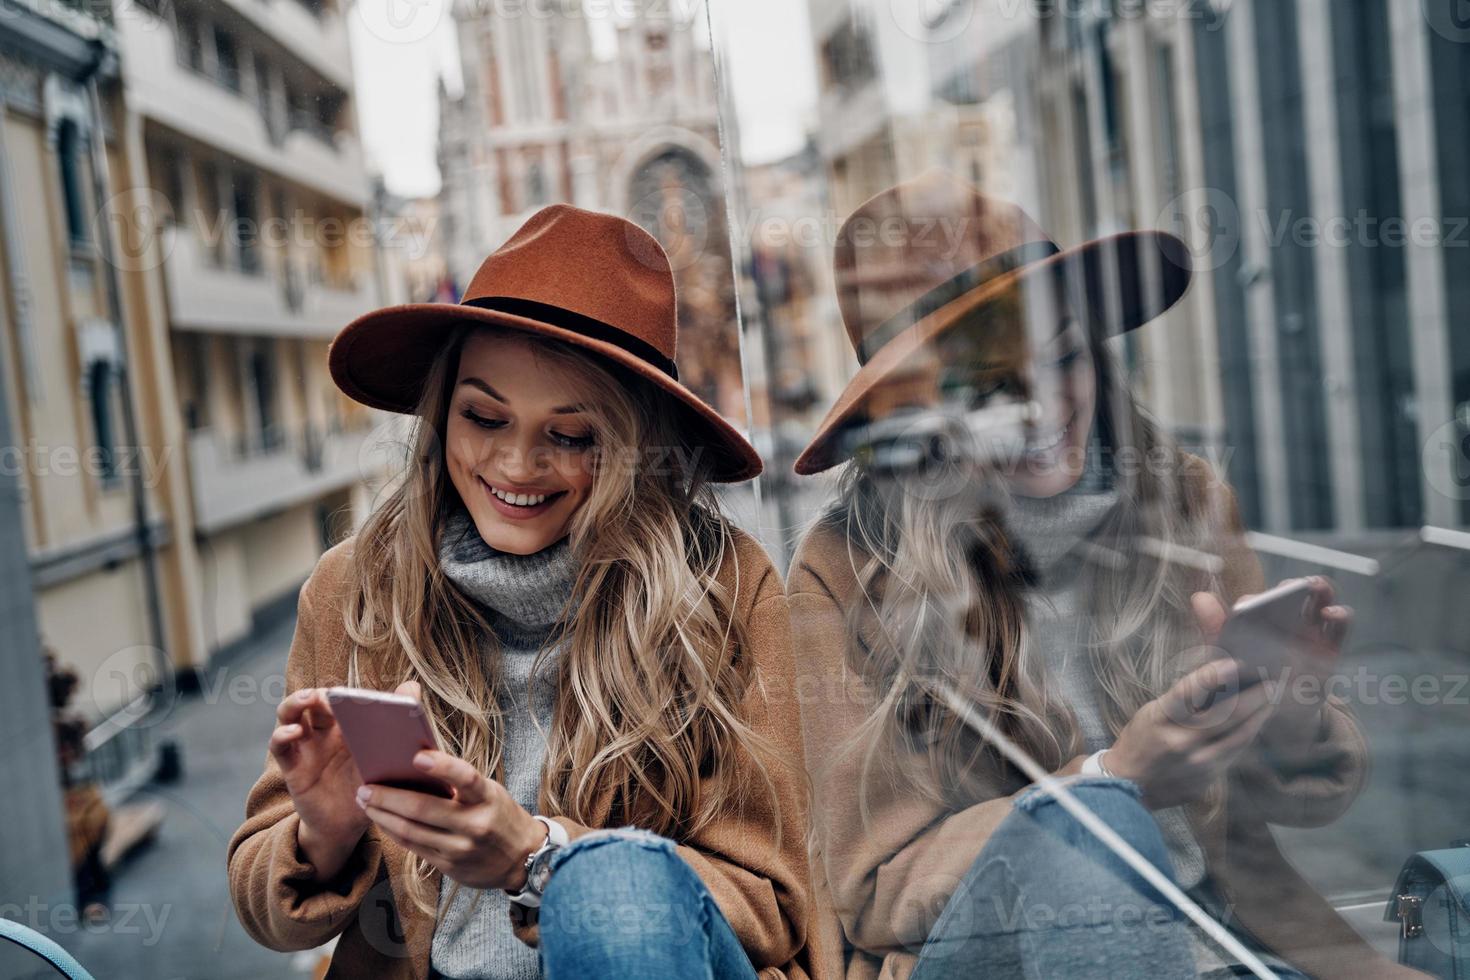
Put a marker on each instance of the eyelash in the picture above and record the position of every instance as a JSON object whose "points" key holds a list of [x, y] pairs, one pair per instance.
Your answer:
{"points": [[566, 441]]}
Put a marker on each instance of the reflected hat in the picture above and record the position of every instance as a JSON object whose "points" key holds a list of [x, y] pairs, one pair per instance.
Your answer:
{"points": [[919, 258], [595, 281]]}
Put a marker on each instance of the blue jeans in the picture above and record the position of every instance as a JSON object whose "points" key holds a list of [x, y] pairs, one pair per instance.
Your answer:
{"points": [[622, 904], [1047, 899]]}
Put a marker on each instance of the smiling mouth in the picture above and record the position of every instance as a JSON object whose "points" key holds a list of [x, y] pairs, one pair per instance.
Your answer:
{"points": [[1052, 441], [528, 501]]}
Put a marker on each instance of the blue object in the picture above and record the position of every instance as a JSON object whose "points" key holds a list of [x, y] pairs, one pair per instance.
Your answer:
{"points": [[623, 905], [47, 949], [1431, 901]]}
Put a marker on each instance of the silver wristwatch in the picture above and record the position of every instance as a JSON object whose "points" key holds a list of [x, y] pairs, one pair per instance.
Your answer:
{"points": [[538, 865]]}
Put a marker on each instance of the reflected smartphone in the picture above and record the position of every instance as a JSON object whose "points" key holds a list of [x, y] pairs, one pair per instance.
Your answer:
{"points": [[384, 732], [1265, 632]]}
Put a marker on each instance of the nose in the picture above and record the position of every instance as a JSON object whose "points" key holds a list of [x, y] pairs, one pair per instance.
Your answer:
{"points": [[518, 459], [1051, 392]]}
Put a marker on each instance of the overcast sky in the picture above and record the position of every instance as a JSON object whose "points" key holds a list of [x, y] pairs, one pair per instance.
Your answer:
{"points": [[401, 48]]}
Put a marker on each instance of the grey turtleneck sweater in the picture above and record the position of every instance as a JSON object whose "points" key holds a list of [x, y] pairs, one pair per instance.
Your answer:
{"points": [[1053, 533], [525, 598]]}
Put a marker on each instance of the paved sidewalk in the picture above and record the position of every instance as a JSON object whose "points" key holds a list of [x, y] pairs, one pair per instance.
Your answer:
{"points": [[173, 918]]}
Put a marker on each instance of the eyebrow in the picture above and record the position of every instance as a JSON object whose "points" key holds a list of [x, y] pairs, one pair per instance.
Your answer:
{"points": [[485, 387]]}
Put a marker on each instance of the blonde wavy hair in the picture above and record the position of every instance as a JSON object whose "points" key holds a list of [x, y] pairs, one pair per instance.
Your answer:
{"points": [[943, 602], [656, 665]]}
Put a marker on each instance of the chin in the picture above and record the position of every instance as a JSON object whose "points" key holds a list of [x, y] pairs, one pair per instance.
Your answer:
{"points": [[517, 540], [1045, 483]]}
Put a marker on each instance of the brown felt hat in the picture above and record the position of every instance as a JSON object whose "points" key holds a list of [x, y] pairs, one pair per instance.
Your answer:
{"points": [[592, 280], [921, 257]]}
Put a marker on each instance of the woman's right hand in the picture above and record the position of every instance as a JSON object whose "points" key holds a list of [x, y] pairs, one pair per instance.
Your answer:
{"points": [[1178, 744], [322, 780]]}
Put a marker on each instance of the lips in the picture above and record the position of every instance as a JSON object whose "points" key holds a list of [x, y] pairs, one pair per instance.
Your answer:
{"points": [[1050, 442], [519, 506]]}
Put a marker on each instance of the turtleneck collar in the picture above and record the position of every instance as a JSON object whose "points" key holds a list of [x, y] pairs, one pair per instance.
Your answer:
{"points": [[525, 595], [1048, 529]]}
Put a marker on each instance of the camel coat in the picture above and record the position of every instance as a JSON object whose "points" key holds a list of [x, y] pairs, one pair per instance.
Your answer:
{"points": [[884, 880], [761, 885]]}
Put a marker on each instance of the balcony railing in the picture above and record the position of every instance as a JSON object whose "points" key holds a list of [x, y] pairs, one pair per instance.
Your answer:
{"points": [[205, 296], [238, 480]]}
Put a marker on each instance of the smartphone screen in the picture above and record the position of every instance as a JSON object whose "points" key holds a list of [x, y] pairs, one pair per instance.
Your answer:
{"points": [[384, 732]]}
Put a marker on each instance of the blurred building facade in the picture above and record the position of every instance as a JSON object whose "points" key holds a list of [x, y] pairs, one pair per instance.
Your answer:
{"points": [[610, 115], [1310, 153], [69, 542], [248, 244]]}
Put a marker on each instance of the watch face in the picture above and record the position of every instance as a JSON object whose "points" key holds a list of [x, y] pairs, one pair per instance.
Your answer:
{"points": [[540, 871]]}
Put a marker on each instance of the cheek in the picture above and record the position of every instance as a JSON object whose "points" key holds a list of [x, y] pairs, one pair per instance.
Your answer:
{"points": [[576, 473]]}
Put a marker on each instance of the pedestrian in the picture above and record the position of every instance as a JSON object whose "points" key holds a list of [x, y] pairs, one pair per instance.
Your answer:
{"points": [[601, 655], [1013, 540]]}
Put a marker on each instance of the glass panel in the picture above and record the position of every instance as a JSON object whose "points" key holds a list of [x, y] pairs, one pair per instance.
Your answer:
{"points": [[1047, 439]]}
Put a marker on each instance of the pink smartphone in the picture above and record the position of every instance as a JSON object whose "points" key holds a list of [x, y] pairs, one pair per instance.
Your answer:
{"points": [[1265, 632], [384, 732]]}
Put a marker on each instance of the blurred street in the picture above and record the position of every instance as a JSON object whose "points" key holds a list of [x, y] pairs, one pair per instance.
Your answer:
{"points": [[182, 924]]}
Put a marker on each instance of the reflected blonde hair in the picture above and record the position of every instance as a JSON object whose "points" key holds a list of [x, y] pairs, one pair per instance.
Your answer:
{"points": [[655, 669], [943, 605]]}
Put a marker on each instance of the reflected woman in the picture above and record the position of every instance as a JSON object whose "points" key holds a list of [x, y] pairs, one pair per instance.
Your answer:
{"points": [[1014, 540], [593, 643]]}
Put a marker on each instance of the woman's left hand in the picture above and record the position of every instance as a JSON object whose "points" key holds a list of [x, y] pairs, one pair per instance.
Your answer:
{"points": [[1297, 721], [481, 838]]}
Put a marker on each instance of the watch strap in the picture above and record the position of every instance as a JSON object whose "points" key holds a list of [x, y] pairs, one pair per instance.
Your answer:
{"points": [[556, 836]]}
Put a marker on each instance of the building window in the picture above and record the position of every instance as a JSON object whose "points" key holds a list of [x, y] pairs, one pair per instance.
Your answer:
{"points": [[99, 391], [245, 224], [189, 42], [69, 147], [263, 391], [536, 184], [227, 60]]}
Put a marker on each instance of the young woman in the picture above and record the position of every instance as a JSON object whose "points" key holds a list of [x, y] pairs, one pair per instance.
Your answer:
{"points": [[595, 647], [1015, 542]]}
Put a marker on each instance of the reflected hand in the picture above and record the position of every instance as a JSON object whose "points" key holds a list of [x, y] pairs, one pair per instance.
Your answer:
{"points": [[1298, 718], [1181, 742], [481, 838]]}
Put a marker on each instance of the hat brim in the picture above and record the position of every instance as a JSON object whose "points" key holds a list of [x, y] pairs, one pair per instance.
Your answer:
{"points": [[382, 358], [1151, 269]]}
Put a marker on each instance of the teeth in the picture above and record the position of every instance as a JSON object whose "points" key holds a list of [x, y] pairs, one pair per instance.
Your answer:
{"points": [[520, 499], [1051, 442]]}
